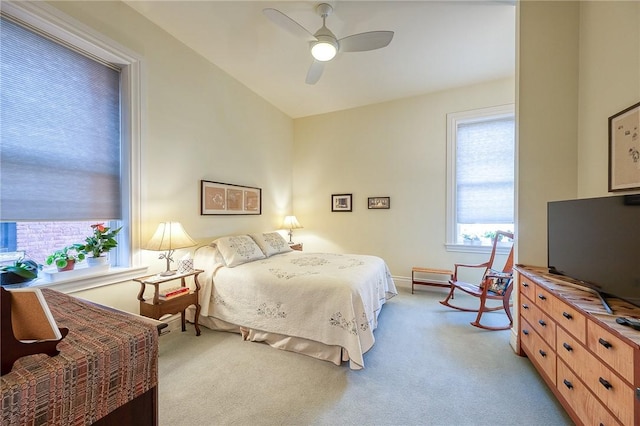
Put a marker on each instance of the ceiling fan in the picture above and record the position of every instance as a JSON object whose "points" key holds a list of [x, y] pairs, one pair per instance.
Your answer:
{"points": [[324, 44]]}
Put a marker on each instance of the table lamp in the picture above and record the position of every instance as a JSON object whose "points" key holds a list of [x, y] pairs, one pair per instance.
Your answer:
{"points": [[291, 223], [168, 237]]}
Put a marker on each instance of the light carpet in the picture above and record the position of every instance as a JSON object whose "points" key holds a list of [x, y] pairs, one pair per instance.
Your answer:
{"points": [[427, 367]]}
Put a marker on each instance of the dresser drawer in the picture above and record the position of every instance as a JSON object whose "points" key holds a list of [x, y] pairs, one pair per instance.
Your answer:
{"points": [[612, 391], [527, 287], [539, 321], [544, 300], [570, 319], [612, 350], [575, 355], [583, 402], [537, 349]]}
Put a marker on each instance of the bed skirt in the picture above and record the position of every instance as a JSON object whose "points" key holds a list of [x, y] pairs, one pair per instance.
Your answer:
{"points": [[321, 351], [334, 354]]}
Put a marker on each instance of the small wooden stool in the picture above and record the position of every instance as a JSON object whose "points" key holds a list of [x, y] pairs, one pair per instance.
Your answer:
{"points": [[434, 271]]}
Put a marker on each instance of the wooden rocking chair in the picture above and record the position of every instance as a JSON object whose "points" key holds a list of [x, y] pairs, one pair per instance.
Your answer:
{"points": [[495, 285]]}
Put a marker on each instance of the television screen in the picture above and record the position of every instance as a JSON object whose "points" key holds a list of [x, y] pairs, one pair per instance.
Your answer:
{"points": [[597, 242]]}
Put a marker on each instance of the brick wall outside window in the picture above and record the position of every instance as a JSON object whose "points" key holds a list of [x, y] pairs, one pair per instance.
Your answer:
{"points": [[39, 239]]}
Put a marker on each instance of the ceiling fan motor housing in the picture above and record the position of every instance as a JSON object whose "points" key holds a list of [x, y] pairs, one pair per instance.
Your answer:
{"points": [[326, 46]]}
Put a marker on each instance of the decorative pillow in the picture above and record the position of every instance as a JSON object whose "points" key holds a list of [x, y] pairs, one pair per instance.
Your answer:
{"points": [[497, 281], [271, 243], [238, 250]]}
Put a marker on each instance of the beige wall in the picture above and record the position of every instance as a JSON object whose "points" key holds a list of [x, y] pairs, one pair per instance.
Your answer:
{"points": [[579, 63], [395, 149], [547, 118], [609, 82], [198, 123]]}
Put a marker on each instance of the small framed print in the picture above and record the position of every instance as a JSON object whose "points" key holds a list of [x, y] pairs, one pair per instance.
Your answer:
{"points": [[379, 202], [229, 199], [624, 149], [341, 202]]}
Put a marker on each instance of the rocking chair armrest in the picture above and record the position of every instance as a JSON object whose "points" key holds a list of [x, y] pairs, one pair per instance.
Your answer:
{"points": [[462, 265]]}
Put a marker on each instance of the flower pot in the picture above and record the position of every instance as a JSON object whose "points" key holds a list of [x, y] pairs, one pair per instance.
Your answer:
{"points": [[7, 278], [70, 265], [97, 261]]}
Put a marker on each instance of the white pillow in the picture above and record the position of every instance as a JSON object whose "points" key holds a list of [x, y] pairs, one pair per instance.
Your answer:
{"points": [[271, 243], [238, 250]]}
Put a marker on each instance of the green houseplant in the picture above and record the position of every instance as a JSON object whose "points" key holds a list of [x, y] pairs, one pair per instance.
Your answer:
{"points": [[65, 258], [22, 270], [471, 239], [491, 235], [100, 242]]}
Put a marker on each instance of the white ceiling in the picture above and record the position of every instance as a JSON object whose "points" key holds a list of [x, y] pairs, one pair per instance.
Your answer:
{"points": [[437, 45]]}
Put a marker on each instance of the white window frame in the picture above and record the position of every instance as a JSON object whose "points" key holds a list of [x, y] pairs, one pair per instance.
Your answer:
{"points": [[52, 21], [453, 120]]}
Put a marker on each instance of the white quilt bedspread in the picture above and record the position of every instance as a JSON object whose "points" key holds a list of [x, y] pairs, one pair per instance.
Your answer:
{"points": [[329, 298]]}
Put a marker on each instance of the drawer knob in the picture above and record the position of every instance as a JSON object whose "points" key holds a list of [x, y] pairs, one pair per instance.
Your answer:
{"points": [[567, 315], [525, 306], [543, 353], [605, 383], [567, 384], [542, 297], [567, 346], [605, 343], [525, 284], [542, 323], [525, 332]]}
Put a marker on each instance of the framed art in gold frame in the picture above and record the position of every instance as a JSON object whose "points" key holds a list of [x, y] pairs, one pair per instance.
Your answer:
{"points": [[624, 149], [217, 198]]}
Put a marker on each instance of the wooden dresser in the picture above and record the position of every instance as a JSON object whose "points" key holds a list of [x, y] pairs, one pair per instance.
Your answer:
{"points": [[591, 363]]}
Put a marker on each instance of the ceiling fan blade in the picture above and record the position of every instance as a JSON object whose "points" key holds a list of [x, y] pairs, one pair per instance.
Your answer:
{"points": [[365, 41], [314, 73], [288, 24]]}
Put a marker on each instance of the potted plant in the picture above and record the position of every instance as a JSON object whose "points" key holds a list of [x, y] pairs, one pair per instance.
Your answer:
{"points": [[471, 239], [65, 258], [97, 245], [21, 271]]}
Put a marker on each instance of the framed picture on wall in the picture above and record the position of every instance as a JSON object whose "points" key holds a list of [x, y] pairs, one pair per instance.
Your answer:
{"points": [[624, 149], [379, 202], [341, 203], [229, 199]]}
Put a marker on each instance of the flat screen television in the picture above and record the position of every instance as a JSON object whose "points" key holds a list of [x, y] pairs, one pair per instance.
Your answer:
{"points": [[596, 241]]}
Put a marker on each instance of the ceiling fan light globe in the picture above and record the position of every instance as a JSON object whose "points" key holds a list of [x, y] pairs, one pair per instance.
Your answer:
{"points": [[323, 51]]}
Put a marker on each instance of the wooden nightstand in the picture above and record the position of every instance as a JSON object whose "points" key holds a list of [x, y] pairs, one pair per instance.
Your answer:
{"points": [[156, 308], [296, 246]]}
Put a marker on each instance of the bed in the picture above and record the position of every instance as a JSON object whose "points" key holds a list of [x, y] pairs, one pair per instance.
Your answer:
{"points": [[324, 305], [105, 374]]}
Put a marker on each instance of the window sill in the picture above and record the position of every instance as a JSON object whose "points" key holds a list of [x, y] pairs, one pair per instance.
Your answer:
{"points": [[103, 278], [472, 248]]}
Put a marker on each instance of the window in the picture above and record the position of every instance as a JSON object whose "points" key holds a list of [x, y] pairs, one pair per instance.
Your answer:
{"points": [[70, 134], [480, 181]]}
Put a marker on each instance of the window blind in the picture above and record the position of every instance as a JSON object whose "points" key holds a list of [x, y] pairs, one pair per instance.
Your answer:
{"points": [[485, 171], [60, 133]]}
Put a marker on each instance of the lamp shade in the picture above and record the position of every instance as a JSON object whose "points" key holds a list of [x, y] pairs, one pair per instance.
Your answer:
{"points": [[169, 236], [290, 222]]}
